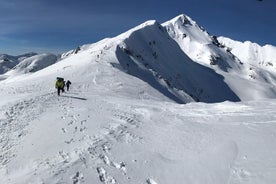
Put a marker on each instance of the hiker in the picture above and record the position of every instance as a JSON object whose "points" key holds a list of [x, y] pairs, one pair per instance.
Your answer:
{"points": [[68, 83], [60, 85], [62, 89]]}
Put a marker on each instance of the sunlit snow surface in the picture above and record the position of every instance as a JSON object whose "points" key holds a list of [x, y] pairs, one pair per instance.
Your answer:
{"points": [[120, 121], [89, 136]]}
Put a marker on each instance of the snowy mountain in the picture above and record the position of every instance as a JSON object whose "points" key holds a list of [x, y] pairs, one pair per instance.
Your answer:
{"points": [[260, 60], [182, 61], [12, 66], [124, 119], [196, 42], [7, 62], [34, 63], [252, 53], [245, 81], [148, 54]]}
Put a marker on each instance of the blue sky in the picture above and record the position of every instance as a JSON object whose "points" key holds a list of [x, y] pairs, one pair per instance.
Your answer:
{"points": [[60, 25]]}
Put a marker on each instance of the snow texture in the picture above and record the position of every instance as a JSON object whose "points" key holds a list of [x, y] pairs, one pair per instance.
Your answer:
{"points": [[136, 112]]}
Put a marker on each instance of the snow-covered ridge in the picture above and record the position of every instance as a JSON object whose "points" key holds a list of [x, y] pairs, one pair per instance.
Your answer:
{"points": [[201, 47], [178, 58], [16, 66], [7, 62], [117, 39], [252, 53], [150, 54], [35, 63]]}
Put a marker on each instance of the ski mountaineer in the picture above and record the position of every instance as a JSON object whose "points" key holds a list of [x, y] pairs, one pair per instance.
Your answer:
{"points": [[60, 85]]}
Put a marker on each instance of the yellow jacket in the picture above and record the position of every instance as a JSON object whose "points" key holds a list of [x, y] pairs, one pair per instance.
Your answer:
{"points": [[59, 84]]}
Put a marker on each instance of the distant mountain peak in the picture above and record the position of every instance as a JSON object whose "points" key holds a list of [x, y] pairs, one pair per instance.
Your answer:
{"points": [[183, 19], [28, 62]]}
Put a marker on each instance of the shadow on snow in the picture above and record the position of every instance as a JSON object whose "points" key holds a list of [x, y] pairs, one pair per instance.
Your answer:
{"points": [[152, 56], [75, 97]]}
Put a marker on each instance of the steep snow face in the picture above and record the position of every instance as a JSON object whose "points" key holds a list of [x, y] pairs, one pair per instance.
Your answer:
{"points": [[150, 54], [239, 73], [199, 45], [252, 53], [260, 62]]}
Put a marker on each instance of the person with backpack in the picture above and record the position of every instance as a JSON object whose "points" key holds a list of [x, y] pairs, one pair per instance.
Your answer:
{"points": [[68, 83], [60, 85]]}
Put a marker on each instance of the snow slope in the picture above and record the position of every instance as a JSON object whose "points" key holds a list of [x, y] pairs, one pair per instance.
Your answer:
{"points": [[260, 61], [196, 42], [92, 134], [14, 66], [7, 62], [33, 64], [120, 122], [247, 81], [179, 59], [148, 53], [252, 53]]}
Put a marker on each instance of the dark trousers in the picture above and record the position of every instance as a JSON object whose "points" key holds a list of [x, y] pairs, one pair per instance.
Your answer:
{"points": [[60, 89]]}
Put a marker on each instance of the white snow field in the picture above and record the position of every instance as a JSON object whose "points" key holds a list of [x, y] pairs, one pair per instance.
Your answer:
{"points": [[131, 115]]}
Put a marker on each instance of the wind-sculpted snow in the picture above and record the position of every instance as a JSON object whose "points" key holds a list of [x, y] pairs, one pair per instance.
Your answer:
{"points": [[14, 119], [110, 139]]}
